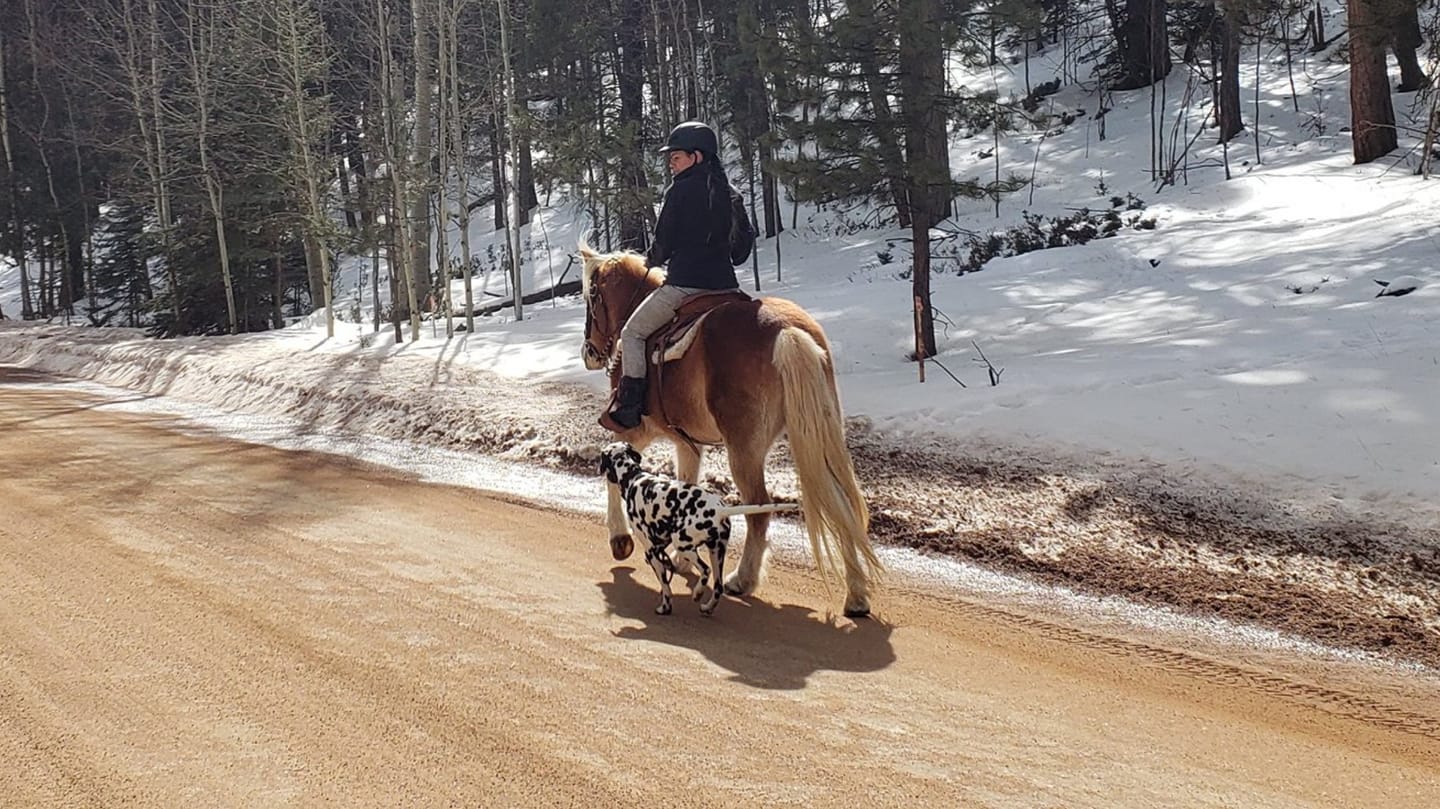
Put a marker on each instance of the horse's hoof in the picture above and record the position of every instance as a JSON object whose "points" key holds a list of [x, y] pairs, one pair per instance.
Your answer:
{"points": [[735, 587], [621, 546], [857, 612], [663, 609]]}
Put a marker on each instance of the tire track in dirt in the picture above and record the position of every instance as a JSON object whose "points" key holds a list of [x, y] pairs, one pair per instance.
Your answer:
{"points": [[1344, 704]]}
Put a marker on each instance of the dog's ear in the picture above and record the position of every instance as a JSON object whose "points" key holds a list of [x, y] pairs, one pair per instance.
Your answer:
{"points": [[632, 454]]}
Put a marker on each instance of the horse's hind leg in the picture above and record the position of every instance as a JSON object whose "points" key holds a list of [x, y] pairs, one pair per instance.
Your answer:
{"points": [[748, 470], [687, 462]]}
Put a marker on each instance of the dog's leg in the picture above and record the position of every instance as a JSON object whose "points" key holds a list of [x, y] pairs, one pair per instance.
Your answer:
{"points": [[702, 584], [621, 545], [717, 561], [659, 560]]}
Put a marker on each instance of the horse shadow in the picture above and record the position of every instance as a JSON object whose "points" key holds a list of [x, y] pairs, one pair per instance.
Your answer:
{"points": [[763, 645]]}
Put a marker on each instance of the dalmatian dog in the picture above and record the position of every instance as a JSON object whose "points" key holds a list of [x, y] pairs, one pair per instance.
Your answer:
{"points": [[669, 512]]}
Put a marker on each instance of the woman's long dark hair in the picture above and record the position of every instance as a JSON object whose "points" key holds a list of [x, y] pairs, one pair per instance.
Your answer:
{"points": [[717, 184]]}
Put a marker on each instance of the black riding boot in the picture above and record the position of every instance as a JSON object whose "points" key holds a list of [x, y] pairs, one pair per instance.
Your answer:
{"points": [[629, 402]]}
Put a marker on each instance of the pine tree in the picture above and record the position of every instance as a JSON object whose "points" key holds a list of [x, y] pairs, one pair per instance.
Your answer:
{"points": [[867, 150], [121, 279]]}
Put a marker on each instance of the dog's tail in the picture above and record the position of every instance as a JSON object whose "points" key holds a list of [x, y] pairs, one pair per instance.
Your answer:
{"points": [[762, 508]]}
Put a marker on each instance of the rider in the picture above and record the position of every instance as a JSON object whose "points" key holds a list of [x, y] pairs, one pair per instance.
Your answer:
{"points": [[692, 241]]}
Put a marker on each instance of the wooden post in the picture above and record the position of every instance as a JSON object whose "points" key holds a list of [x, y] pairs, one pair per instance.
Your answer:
{"points": [[919, 342]]}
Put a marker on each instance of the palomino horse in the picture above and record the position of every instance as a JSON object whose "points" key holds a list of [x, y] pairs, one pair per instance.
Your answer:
{"points": [[753, 369]]}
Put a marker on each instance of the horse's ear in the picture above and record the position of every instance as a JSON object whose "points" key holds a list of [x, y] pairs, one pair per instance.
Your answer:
{"points": [[587, 254]]}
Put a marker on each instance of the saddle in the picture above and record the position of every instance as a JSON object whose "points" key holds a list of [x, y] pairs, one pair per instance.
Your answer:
{"points": [[670, 342]]}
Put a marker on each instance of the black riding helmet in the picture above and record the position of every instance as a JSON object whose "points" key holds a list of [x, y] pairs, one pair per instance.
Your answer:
{"points": [[692, 136]]}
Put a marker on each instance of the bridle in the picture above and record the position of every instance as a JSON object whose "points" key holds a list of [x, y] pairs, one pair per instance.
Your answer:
{"points": [[605, 356]]}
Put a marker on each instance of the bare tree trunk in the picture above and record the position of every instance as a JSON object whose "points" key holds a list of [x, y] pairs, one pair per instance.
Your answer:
{"points": [[1372, 116], [497, 162], [369, 202], [67, 295], [17, 236], [277, 293], [162, 164], [1427, 149], [420, 14], [86, 258], [1227, 77], [526, 172], [46, 293], [922, 63], [200, 50], [1405, 37], [1144, 45], [462, 175], [301, 145], [400, 251], [512, 233], [634, 233], [770, 192], [443, 91], [1317, 28]]}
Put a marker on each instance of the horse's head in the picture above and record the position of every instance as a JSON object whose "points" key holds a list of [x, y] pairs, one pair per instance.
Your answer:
{"points": [[613, 285]]}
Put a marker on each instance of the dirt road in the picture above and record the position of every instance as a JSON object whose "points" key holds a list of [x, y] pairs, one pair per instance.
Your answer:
{"points": [[194, 621]]}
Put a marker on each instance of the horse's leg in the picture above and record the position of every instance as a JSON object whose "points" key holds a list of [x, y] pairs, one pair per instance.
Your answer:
{"points": [[747, 467], [687, 462]]}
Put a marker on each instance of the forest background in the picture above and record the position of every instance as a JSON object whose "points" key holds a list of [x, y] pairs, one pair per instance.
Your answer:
{"points": [[198, 167]]}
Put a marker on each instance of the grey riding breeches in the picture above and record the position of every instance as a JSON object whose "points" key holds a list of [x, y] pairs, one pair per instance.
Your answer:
{"points": [[655, 311]]}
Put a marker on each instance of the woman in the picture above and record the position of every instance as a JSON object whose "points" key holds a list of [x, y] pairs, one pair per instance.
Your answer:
{"points": [[692, 242]]}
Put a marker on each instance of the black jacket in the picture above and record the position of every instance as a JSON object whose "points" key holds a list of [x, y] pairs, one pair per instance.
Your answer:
{"points": [[692, 236]]}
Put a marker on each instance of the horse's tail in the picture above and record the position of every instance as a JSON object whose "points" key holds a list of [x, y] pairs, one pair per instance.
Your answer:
{"points": [[836, 517]]}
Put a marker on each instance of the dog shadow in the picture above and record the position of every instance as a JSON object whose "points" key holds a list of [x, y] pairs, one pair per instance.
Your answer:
{"points": [[764, 645]]}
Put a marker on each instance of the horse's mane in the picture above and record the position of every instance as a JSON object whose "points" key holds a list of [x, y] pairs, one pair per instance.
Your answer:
{"points": [[626, 261]]}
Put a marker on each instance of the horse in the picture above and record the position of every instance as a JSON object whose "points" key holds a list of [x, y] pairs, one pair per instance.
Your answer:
{"points": [[751, 369]]}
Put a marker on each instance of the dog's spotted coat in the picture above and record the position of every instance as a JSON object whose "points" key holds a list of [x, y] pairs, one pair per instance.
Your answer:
{"points": [[667, 511]]}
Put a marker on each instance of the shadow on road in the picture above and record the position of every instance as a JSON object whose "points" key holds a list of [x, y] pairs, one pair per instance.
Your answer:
{"points": [[765, 645], [14, 375]]}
